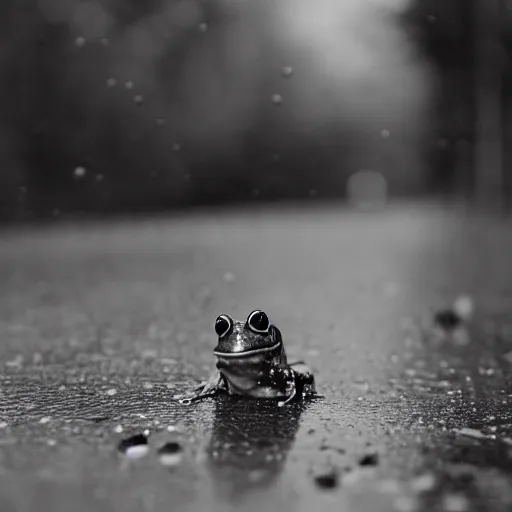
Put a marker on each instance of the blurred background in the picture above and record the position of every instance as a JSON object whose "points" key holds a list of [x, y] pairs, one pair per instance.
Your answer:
{"points": [[117, 106]]}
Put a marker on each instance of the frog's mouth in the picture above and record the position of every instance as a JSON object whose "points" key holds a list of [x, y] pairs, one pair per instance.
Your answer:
{"points": [[247, 368], [247, 353]]}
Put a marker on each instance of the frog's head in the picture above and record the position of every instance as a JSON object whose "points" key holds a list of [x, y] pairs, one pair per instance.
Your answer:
{"points": [[243, 339]]}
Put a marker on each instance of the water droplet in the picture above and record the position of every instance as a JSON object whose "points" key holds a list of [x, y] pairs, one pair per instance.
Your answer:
{"points": [[277, 99], [112, 392], [255, 192], [463, 306], [3, 424], [111, 82], [203, 27], [171, 428], [370, 459], [385, 134], [170, 454], [362, 386], [99, 177], [160, 121], [79, 172], [45, 420], [327, 479], [447, 319], [313, 192], [134, 447], [129, 84], [80, 41], [431, 18], [287, 71], [104, 41], [176, 147], [118, 429], [275, 157], [147, 385], [138, 99], [51, 442]]}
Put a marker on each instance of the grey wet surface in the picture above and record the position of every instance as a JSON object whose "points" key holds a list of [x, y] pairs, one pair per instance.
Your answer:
{"points": [[102, 324]]}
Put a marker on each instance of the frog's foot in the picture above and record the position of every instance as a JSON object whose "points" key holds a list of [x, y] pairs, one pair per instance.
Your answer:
{"points": [[288, 398], [291, 392], [188, 399], [305, 381], [207, 389], [310, 392]]}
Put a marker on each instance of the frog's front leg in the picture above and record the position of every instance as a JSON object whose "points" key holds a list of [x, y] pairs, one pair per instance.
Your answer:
{"points": [[304, 379], [280, 378], [302, 383], [291, 392], [214, 384]]}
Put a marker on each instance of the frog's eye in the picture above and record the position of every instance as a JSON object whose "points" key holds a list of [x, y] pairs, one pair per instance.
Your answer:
{"points": [[258, 322], [222, 325]]}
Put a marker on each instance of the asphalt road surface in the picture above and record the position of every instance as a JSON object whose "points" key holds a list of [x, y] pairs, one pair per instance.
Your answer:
{"points": [[101, 324]]}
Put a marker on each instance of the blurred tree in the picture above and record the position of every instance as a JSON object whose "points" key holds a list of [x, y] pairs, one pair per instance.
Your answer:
{"points": [[467, 41], [445, 33], [120, 105]]}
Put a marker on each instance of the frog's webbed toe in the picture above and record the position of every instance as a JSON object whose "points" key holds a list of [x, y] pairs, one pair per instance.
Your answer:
{"points": [[291, 393], [206, 389], [302, 384]]}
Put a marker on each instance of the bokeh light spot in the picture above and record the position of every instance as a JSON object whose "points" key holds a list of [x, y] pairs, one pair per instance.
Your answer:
{"points": [[287, 71], [79, 172], [277, 99]]}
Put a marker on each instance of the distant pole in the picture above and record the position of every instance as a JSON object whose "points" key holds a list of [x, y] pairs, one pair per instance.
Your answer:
{"points": [[489, 179]]}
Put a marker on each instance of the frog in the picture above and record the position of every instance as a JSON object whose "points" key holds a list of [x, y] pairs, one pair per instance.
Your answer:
{"points": [[252, 362]]}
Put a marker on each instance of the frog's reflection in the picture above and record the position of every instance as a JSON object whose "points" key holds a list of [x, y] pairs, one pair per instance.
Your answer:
{"points": [[250, 442]]}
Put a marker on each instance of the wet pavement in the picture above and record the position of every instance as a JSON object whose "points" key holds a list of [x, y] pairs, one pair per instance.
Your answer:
{"points": [[102, 324]]}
